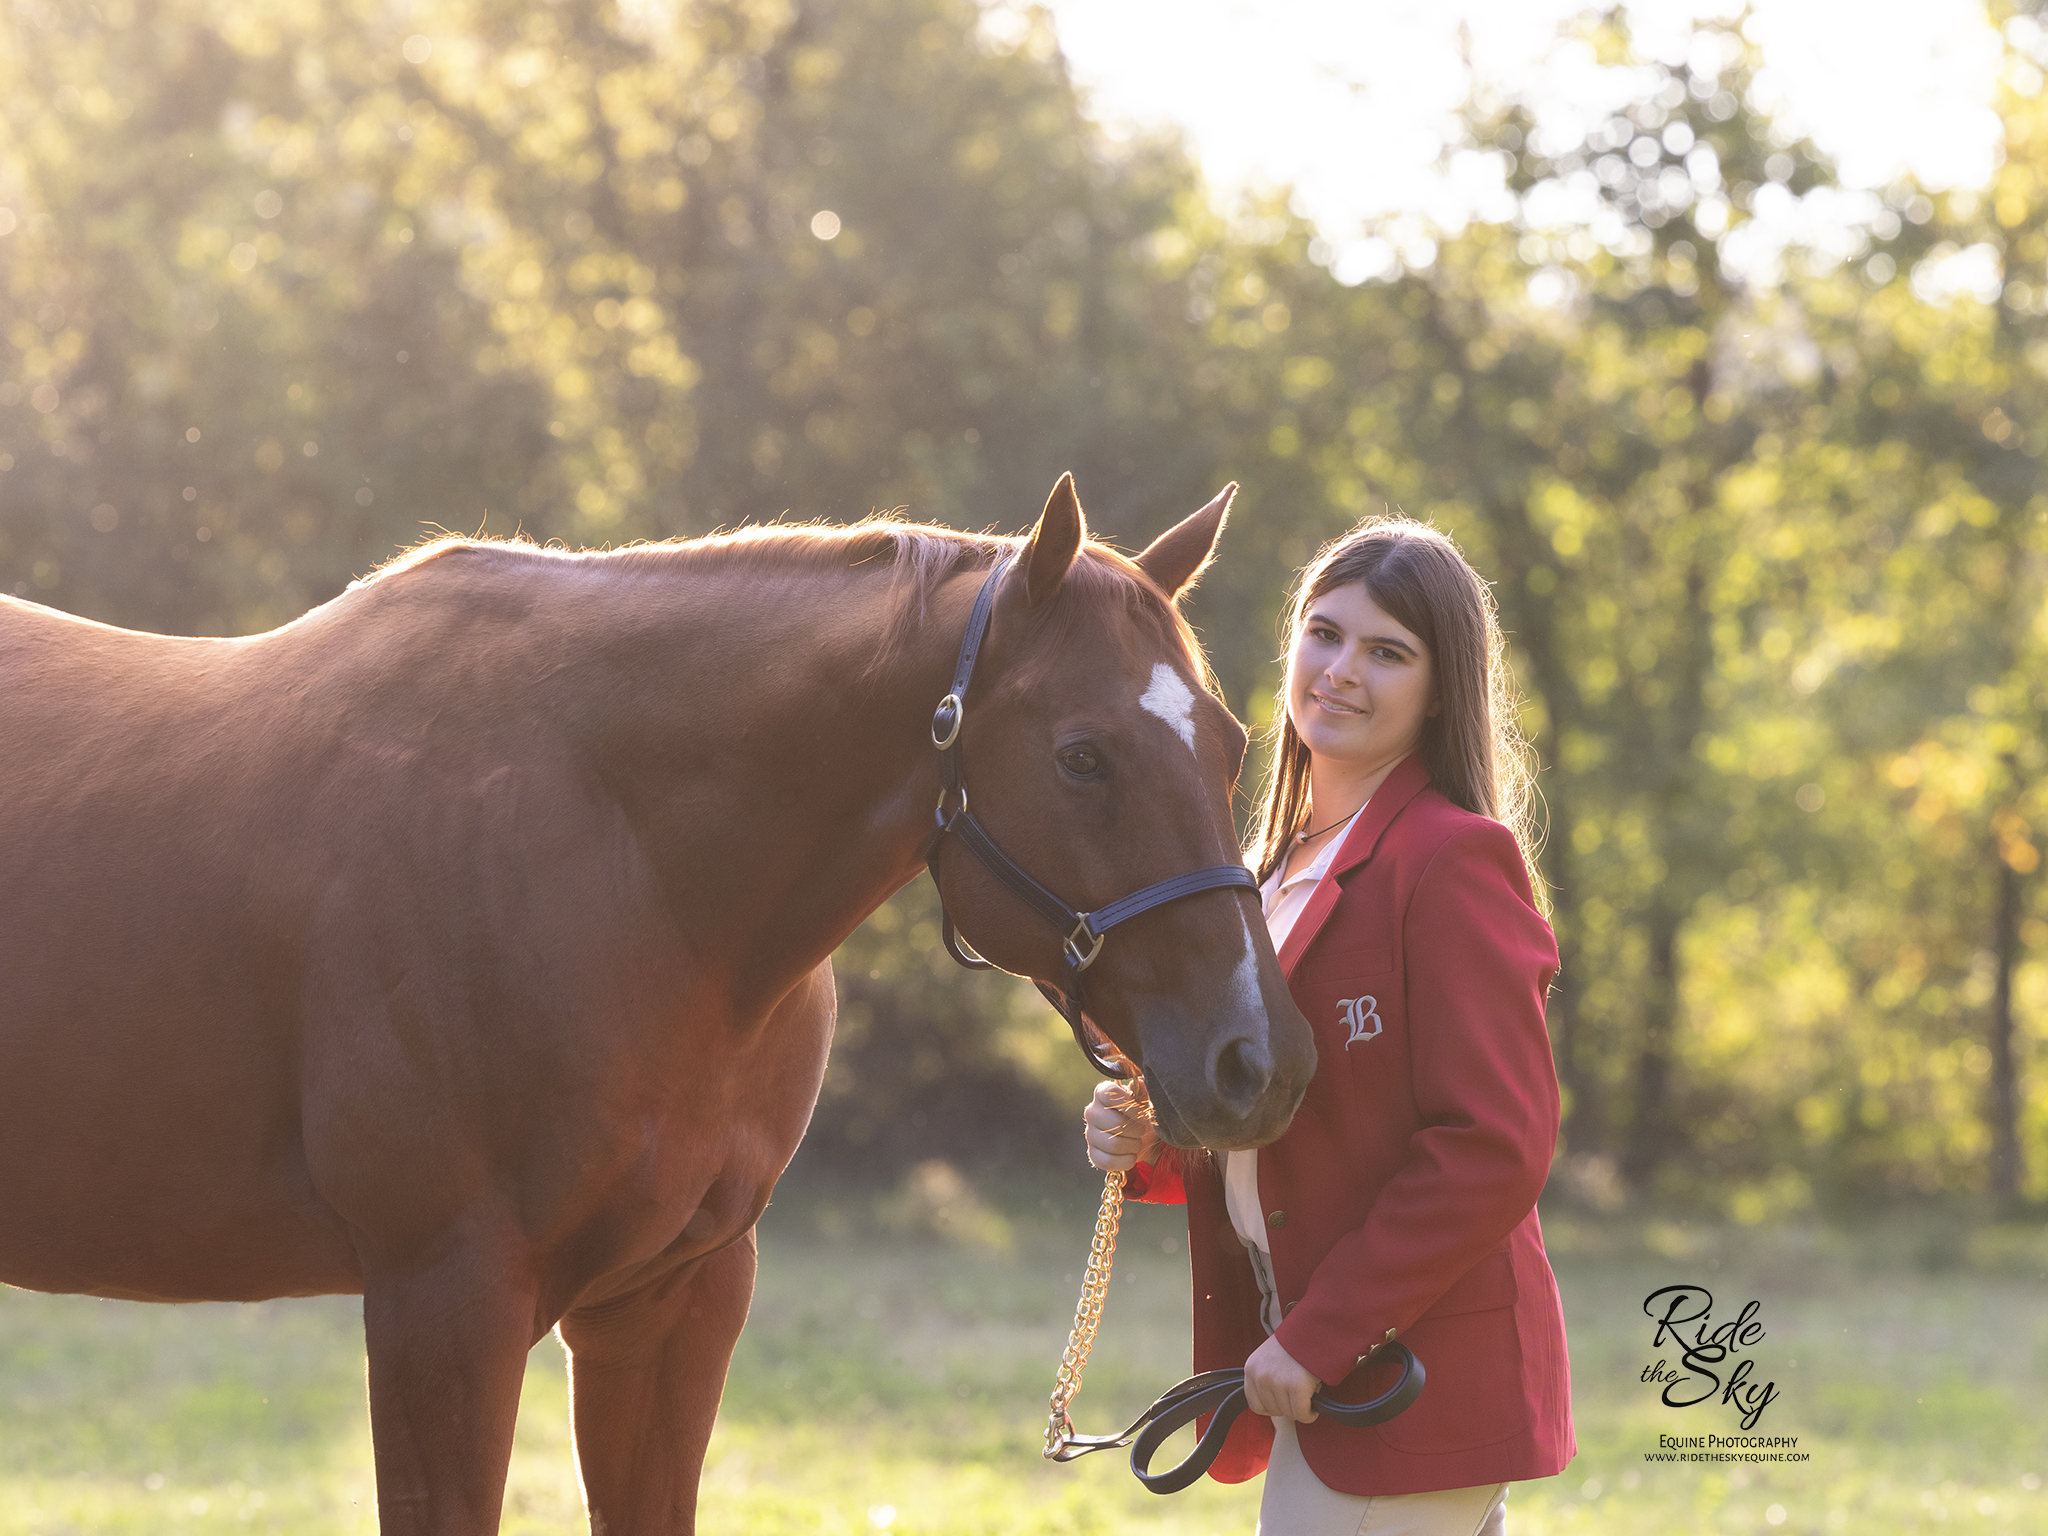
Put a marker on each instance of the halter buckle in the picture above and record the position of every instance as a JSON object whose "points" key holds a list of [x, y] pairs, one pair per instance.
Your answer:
{"points": [[946, 721], [946, 822], [1072, 945]]}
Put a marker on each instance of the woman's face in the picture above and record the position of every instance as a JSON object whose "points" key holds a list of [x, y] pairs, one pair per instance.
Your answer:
{"points": [[1359, 684]]}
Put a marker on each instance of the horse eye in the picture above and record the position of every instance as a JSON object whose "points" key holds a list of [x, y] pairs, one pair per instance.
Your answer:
{"points": [[1080, 761]]}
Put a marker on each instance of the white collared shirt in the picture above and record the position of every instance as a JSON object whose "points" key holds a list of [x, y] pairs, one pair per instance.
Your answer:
{"points": [[1282, 899]]}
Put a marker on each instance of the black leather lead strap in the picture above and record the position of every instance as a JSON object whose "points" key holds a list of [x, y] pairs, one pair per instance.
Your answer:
{"points": [[1221, 1393]]}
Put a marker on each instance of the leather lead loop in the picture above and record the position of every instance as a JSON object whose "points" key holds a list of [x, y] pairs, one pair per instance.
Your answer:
{"points": [[1221, 1395]]}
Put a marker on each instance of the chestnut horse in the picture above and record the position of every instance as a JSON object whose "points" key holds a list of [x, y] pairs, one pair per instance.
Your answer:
{"points": [[463, 944]]}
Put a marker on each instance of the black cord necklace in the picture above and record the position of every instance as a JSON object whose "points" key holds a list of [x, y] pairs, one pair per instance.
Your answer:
{"points": [[1304, 837]]}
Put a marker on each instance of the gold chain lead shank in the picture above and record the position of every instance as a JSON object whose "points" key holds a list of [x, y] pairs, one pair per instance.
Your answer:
{"points": [[1059, 1427]]}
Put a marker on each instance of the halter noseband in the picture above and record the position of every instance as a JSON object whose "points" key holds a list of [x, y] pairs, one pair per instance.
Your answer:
{"points": [[1082, 933]]}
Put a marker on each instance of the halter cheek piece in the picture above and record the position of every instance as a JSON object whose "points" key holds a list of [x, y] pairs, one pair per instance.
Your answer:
{"points": [[1082, 933]]}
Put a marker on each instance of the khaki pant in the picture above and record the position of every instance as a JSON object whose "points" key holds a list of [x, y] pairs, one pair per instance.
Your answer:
{"points": [[1297, 1504]]}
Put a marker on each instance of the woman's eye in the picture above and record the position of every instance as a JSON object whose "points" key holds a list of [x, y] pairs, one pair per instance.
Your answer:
{"points": [[1080, 761]]}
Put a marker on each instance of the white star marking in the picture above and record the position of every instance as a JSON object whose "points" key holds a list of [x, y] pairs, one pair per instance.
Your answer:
{"points": [[1244, 981], [1172, 701]]}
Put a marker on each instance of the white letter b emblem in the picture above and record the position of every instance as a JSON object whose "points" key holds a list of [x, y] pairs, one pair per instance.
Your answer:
{"points": [[1359, 1015]]}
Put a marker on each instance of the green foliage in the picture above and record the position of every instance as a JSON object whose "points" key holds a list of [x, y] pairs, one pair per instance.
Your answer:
{"points": [[281, 284]]}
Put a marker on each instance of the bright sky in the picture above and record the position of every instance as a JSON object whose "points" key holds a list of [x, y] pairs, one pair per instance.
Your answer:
{"points": [[1349, 100]]}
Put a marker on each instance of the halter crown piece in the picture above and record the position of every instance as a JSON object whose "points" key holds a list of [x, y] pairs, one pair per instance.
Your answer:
{"points": [[1083, 933]]}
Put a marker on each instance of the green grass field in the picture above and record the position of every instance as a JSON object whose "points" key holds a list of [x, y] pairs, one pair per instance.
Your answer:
{"points": [[894, 1376]]}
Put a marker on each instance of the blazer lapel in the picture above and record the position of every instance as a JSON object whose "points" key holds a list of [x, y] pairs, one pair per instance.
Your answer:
{"points": [[1409, 778]]}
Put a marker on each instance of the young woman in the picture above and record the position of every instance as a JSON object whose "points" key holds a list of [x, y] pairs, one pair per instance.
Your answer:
{"points": [[1401, 1201]]}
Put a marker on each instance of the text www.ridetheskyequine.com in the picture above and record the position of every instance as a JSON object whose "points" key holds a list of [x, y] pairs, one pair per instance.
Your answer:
{"points": [[1727, 1448]]}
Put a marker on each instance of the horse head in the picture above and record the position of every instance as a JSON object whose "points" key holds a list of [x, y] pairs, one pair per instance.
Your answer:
{"points": [[1101, 759]]}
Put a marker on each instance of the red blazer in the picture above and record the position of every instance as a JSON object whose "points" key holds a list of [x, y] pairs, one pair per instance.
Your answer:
{"points": [[1401, 1200]]}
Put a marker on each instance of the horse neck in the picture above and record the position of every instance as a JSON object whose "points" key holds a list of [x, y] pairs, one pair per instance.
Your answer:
{"points": [[780, 779]]}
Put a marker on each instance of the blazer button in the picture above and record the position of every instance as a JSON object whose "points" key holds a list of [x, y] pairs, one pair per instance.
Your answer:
{"points": [[1276, 1219]]}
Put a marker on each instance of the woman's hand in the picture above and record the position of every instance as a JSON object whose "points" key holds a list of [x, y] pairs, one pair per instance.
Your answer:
{"points": [[1277, 1386], [1119, 1126]]}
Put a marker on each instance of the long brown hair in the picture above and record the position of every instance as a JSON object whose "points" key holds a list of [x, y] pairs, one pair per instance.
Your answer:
{"points": [[1473, 746]]}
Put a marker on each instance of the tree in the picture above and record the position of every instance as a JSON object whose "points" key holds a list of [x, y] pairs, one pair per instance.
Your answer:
{"points": [[280, 286]]}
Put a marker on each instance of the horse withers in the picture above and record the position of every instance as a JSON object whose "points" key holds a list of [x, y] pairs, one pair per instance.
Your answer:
{"points": [[463, 943]]}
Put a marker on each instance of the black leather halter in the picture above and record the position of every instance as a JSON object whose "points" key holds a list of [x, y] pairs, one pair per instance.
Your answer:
{"points": [[1221, 1393], [1082, 932]]}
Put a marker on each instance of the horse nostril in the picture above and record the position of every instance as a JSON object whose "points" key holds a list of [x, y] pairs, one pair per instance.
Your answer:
{"points": [[1240, 1072]]}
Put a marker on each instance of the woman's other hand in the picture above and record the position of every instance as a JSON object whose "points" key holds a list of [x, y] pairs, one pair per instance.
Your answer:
{"points": [[1276, 1385], [1119, 1126]]}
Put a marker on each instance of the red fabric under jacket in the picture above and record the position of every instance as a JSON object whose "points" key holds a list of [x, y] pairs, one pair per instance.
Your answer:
{"points": [[1401, 1200]]}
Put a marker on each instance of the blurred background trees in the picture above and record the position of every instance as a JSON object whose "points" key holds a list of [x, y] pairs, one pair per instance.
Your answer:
{"points": [[284, 284]]}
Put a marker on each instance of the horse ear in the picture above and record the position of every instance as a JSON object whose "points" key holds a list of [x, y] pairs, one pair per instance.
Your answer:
{"points": [[1176, 559], [1054, 542]]}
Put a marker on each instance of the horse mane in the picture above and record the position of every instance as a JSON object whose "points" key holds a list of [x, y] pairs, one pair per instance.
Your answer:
{"points": [[923, 555]]}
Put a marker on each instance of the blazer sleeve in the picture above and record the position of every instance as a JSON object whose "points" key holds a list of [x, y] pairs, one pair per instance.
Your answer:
{"points": [[1478, 960], [1158, 1182]]}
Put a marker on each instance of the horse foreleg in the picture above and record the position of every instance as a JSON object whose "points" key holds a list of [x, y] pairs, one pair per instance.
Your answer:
{"points": [[447, 1342], [645, 1373]]}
